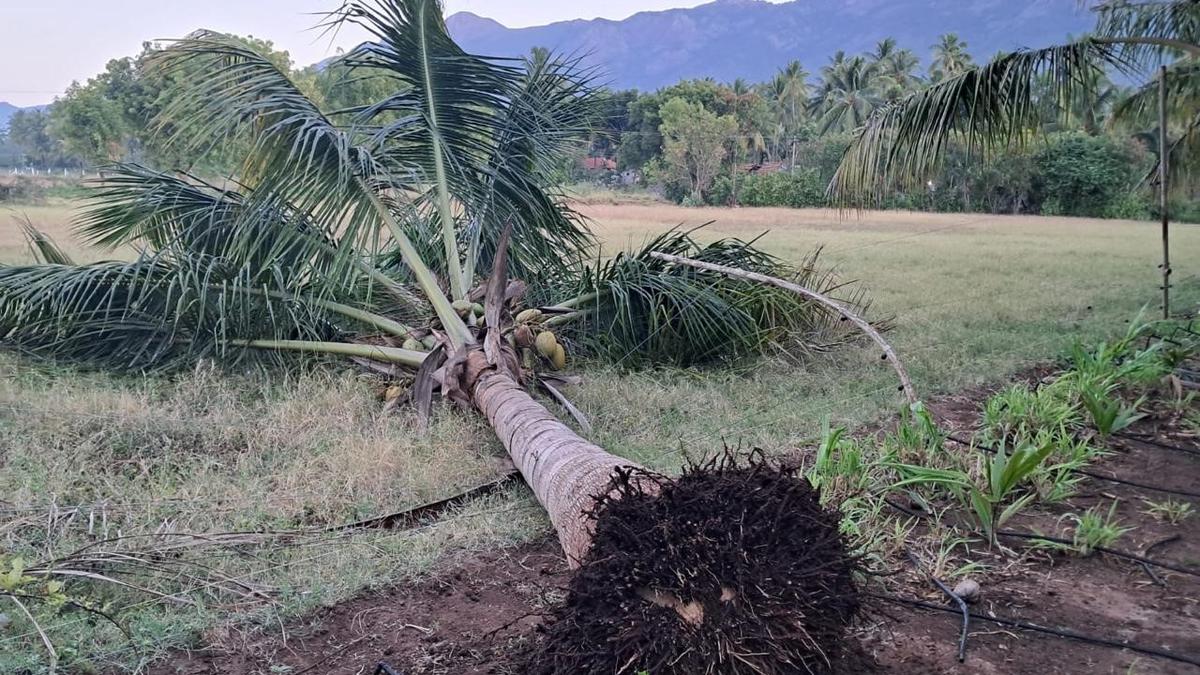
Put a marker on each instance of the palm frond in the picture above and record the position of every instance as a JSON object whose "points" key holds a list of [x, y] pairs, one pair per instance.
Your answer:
{"points": [[986, 108], [641, 310], [157, 311], [480, 134], [1139, 110], [43, 248], [555, 107], [444, 107], [298, 156], [1149, 32]]}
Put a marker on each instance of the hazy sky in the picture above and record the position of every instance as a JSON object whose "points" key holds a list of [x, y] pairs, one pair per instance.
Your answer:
{"points": [[46, 44]]}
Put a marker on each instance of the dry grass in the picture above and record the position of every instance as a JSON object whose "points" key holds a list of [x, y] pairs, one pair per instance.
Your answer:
{"points": [[54, 218], [973, 297]]}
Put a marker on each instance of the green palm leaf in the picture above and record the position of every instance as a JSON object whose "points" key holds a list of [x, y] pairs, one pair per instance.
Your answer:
{"points": [[638, 310], [480, 135], [986, 108], [298, 156]]}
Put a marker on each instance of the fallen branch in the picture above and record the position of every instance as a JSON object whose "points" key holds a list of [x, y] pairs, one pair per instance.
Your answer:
{"points": [[863, 325]]}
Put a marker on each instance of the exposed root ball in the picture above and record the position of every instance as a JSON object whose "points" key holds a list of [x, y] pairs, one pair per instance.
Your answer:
{"points": [[729, 569]]}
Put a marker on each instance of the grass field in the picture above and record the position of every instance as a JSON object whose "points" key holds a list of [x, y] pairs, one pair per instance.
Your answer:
{"points": [[84, 456]]}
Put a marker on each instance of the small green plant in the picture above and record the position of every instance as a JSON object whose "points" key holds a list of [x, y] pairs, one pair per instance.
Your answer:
{"points": [[1112, 364], [1170, 510], [1057, 480], [1095, 529], [1109, 414], [917, 436], [1002, 475], [1191, 422], [943, 566], [1019, 411]]}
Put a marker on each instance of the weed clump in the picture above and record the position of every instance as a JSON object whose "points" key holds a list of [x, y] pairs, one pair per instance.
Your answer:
{"points": [[732, 568]]}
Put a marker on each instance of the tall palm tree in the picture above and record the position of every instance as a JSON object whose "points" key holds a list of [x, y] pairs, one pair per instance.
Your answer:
{"points": [[950, 58], [790, 92], [897, 68], [848, 95], [739, 97], [998, 104], [367, 234]]}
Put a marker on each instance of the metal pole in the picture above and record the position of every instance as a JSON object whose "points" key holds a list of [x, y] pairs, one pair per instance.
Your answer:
{"points": [[1164, 156]]}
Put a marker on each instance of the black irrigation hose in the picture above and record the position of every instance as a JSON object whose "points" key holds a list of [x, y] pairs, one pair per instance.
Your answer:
{"points": [[1140, 486], [1157, 444], [1083, 472], [1108, 551], [962, 607], [1057, 632]]}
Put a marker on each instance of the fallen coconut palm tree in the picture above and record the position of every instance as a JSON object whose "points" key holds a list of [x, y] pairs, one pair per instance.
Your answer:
{"points": [[366, 233]]}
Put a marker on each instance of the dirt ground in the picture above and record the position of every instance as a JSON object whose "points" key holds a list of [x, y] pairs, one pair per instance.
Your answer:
{"points": [[482, 615]]}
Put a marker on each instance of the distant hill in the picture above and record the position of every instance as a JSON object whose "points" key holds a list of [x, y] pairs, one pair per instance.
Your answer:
{"points": [[7, 110], [752, 39]]}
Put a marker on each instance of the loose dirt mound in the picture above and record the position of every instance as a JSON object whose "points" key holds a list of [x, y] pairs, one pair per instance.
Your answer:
{"points": [[727, 569]]}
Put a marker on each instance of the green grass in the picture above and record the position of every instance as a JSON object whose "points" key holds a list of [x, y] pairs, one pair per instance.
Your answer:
{"points": [[972, 298]]}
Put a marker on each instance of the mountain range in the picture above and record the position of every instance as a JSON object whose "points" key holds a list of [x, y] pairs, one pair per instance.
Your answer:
{"points": [[7, 110], [753, 39]]}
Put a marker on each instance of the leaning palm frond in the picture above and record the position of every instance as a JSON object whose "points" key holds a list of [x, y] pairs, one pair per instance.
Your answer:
{"points": [[1139, 110], [1140, 107], [298, 156], [1151, 31], [555, 106], [997, 104], [443, 110], [43, 248], [163, 310], [636, 310], [986, 108], [478, 134]]}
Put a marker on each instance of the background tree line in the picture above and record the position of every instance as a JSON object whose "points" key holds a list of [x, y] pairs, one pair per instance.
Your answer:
{"points": [[774, 143], [783, 139], [116, 116]]}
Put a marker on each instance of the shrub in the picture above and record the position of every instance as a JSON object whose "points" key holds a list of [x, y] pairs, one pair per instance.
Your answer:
{"points": [[800, 188], [1080, 175]]}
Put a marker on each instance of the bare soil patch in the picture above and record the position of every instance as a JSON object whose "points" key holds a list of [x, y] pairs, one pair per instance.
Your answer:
{"points": [[485, 614]]}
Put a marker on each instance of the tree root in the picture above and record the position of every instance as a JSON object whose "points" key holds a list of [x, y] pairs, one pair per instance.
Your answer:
{"points": [[732, 568]]}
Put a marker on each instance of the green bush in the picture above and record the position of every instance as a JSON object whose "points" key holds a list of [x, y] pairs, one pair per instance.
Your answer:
{"points": [[800, 188], [1080, 175]]}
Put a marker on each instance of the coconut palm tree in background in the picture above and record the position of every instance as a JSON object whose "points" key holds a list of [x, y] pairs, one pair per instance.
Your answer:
{"points": [[897, 69], [950, 58], [748, 141], [1002, 102], [849, 93], [790, 93], [367, 233]]}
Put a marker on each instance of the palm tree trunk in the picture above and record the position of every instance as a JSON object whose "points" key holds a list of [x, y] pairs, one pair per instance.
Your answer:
{"points": [[565, 471]]}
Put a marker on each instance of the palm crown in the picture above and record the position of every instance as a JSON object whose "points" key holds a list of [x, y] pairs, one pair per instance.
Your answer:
{"points": [[363, 231]]}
